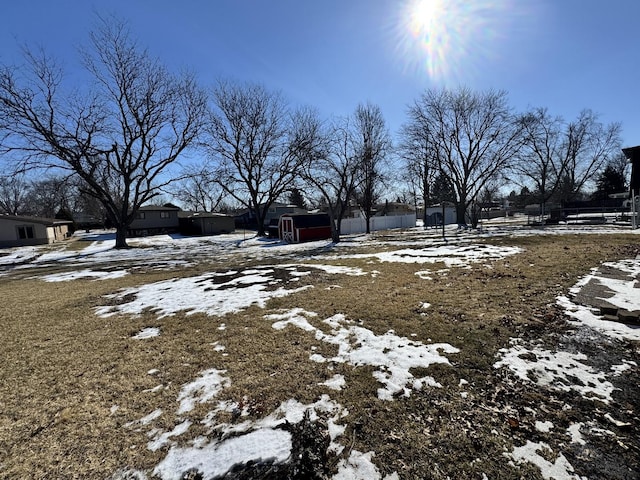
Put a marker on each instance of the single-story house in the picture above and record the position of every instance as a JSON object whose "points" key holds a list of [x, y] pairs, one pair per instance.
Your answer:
{"points": [[154, 220], [394, 208], [22, 231], [205, 223], [304, 227]]}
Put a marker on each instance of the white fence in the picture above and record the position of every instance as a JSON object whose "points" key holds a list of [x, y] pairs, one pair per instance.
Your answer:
{"points": [[359, 225]]}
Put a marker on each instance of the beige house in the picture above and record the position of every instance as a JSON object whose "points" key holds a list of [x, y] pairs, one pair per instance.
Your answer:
{"points": [[18, 231]]}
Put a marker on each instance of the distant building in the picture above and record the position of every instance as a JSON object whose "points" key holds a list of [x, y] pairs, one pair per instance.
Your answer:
{"points": [[205, 223], [154, 220], [23, 231]]}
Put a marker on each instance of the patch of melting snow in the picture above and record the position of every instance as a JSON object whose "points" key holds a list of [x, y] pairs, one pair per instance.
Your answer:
{"points": [[587, 316], [83, 274], [424, 274], [215, 459], [203, 294], [360, 467], [259, 440], [339, 270], [543, 427], [391, 355], [146, 420], [335, 383], [575, 434], [623, 367], [207, 294], [556, 370], [203, 389], [148, 332], [450, 255], [625, 295], [560, 469], [161, 439]]}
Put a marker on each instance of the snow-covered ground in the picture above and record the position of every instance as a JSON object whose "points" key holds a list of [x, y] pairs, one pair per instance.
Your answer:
{"points": [[391, 356]]}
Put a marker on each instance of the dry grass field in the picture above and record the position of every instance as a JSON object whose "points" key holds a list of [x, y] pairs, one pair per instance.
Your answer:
{"points": [[77, 389]]}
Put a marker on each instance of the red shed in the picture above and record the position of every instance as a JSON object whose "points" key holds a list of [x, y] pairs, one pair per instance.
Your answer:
{"points": [[304, 227]]}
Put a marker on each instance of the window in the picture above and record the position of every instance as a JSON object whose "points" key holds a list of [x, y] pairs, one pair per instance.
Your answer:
{"points": [[140, 216], [25, 232], [165, 214]]}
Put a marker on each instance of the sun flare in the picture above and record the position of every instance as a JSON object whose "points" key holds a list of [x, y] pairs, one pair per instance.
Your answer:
{"points": [[451, 39]]}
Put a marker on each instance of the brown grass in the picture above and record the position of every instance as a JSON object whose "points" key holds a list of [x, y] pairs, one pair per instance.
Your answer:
{"points": [[63, 369]]}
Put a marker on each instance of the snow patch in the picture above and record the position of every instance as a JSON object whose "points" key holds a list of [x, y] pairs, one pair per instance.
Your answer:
{"points": [[200, 294], [335, 383], [215, 459], [556, 370], [148, 332], [450, 255], [204, 388], [360, 467], [391, 355], [560, 469], [86, 273]]}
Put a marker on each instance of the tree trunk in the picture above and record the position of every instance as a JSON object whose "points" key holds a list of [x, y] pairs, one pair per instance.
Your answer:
{"points": [[335, 227], [460, 213], [121, 237]]}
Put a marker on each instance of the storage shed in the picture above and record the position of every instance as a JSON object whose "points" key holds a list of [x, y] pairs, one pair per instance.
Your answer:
{"points": [[304, 227]]}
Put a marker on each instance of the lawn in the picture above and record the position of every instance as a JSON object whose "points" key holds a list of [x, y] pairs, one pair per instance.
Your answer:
{"points": [[395, 355]]}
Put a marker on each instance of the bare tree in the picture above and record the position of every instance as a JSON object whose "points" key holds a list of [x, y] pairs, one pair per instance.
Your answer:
{"points": [[420, 164], [560, 158], [542, 160], [474, 138], [372, 143], [589, 145], [199, 190], [259, 144], [51, 196], [14, 194], [335, 172], [119, 139]]}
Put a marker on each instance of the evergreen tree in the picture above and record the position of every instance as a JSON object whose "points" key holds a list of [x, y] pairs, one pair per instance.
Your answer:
{"points": [[610, 180]]}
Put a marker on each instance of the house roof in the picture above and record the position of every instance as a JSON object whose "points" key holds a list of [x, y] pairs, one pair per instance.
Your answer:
{"points": [[633, 155], [185, 214], [39, 220], [157, 208]]}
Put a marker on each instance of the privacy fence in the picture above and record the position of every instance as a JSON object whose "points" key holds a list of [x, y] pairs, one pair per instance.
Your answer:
{"points": [[359, 225]]}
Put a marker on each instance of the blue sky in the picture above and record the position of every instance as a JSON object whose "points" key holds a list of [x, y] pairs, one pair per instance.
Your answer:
{"points": [[565, 55]]}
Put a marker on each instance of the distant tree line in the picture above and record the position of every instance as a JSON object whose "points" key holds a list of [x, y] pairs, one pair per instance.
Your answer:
{"points": [[119, 143]]}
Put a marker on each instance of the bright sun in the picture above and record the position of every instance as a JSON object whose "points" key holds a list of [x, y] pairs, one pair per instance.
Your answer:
{"points": [[425, 15], [450, 39]]}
